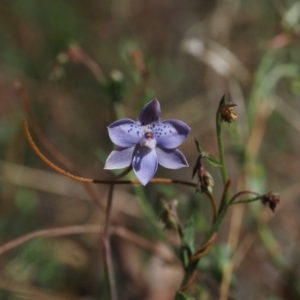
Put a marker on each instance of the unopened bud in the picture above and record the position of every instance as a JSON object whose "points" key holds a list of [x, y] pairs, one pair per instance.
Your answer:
{"points": [[138, 60], [227, 112], [206, 181], [272, 200], [169, 215], [74, 53]]}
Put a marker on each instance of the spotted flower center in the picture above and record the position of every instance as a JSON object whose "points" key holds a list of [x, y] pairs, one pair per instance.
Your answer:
{"points": [[148, 140], [149, 135]]}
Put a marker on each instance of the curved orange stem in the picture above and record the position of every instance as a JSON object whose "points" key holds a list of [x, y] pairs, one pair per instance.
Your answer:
{"points": [[91, 180]]}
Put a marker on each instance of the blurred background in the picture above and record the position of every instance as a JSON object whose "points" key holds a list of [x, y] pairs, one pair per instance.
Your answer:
{"points": [[79, 66]]}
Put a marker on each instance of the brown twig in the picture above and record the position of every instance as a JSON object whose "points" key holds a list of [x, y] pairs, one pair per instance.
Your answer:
{"points": [[85, 229], [204, 249], [90, 180], [109, 267], [190, 282], [108, 210], [43, 140], [144, 243], [213, 204], [79, 55], [105, 239], [53, 232]]}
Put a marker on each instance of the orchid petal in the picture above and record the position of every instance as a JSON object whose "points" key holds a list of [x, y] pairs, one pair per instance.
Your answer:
{"points": [[171, 134], [171, 158], [119, 158], [147, 142], [125, 132], [150, 113], [144, 164]]}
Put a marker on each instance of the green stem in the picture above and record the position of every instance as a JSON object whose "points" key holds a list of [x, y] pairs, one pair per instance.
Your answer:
{"points": [[246, 200], [193, 264], [218, 221], [221, 149], [189, 271], [225, 198], [243, 193], [214, 229], [258, 197]]}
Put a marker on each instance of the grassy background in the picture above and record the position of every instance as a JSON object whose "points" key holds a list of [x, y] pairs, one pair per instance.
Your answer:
{"points": [[187, 54]]}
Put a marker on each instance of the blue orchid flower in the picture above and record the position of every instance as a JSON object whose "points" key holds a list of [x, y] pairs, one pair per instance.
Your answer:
{"points": [[147, 142]]}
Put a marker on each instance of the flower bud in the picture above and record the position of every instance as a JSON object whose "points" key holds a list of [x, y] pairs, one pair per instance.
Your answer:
{"points": [[206, 181], [271, 199], [74, 53], [227, 112], [169, 215], [138, 60]]}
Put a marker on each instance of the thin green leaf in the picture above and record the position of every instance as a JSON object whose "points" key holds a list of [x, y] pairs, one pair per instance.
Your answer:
{"points": [[223, 100], [189, 234], [212, 160], [200, 150], [182, 296]]}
